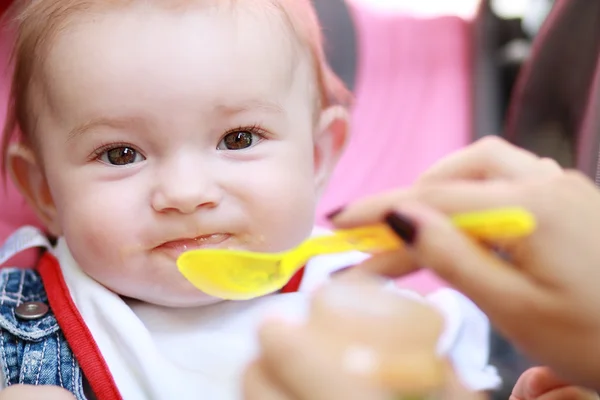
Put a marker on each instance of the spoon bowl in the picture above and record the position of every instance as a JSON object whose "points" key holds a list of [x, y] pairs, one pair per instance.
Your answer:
{"points": [[233, 274], [243, 275]]}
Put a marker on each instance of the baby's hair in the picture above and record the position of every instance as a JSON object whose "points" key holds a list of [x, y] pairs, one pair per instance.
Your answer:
{"points": [[37, 22]]}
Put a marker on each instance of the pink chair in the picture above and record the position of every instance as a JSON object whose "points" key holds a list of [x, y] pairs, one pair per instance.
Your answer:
{"points": [[413, 106], [14, 211]]}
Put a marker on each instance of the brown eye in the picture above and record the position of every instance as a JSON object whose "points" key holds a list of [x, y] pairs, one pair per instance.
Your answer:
{"points": [[238, 141], [121, 156]]}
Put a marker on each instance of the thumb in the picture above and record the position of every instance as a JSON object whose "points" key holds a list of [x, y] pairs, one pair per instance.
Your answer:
{"points": [[536, 381], [543, 384]]}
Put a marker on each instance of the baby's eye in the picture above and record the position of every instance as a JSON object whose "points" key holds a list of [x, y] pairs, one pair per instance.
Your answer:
{"points": [[121, 156], [239, 140]]}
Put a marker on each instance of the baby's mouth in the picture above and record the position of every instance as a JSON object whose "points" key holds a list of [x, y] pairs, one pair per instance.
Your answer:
{"points": [[175, 248]]}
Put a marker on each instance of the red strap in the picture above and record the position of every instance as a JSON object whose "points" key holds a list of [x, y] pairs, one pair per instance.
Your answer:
{"points": [[75, 330], [294, 284]]}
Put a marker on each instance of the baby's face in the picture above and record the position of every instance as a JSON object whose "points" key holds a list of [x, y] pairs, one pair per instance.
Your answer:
{"points": [[164, 131]]}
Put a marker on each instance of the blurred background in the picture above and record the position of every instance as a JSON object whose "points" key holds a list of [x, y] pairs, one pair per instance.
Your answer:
{"points": [[429, 77]]}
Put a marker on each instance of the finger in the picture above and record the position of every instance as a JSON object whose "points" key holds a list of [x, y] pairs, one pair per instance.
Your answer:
{"points": [[28, 392], [537, 381], [391, 264], [567, 393], [489, 158], [258, 386], [305, 368], [468, 266], [542, 383], [447, 197], [549, 168], [358, 310]]}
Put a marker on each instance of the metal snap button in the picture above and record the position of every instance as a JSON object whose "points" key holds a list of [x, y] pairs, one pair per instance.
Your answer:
{"points": [[31, 310]]}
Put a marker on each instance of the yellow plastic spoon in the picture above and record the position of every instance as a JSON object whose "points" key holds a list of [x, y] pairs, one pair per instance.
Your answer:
{"points": [[243, 275]]}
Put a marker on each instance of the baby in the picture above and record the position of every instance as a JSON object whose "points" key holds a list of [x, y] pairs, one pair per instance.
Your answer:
{"points": [[143, 129]]}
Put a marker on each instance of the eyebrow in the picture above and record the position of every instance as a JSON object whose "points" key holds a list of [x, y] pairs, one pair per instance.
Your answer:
{"points": [[251, 105], [115, 123], [131, 121]]}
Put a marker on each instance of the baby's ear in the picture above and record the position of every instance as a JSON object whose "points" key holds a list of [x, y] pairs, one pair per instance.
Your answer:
{"points": [[28, 176], [330, 141]]}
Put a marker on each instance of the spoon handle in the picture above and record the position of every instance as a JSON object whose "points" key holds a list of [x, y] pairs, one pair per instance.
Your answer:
{"points": [[496, 224], [368, 239], [502, 223]]}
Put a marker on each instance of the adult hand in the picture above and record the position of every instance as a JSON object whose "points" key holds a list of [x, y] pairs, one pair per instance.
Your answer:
{"points": [[545, 297], [359, 343]]}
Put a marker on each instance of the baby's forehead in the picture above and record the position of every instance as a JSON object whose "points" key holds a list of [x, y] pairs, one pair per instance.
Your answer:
{"points": [[278, 14], [243, 16], [202, 56], [248, 44]]}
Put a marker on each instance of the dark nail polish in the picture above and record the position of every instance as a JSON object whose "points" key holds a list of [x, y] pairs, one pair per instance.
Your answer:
{"points": [[334, 213], [403, 227]]}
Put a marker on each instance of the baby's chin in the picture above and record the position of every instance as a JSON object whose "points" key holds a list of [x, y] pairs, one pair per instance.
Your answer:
{"points": [[204, 300], [178, 294], [181, 300]]}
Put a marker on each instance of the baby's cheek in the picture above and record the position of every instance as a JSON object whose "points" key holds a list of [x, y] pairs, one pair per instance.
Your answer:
{"points": [[95, 235], [285, 228], [287, 214]]}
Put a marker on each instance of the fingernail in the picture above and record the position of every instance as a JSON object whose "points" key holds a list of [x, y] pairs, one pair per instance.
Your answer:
{"points": [[331, 215], [404, 227]]}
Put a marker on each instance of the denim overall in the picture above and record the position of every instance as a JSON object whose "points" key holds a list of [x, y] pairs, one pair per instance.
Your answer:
{"points": [[33, 349]]}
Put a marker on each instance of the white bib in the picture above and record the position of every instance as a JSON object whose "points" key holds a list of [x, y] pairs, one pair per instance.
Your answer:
{"points": [[156, 352]]}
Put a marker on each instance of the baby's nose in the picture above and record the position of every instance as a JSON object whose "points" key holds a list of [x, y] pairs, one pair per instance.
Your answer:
{"points": [[185, 190]]}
